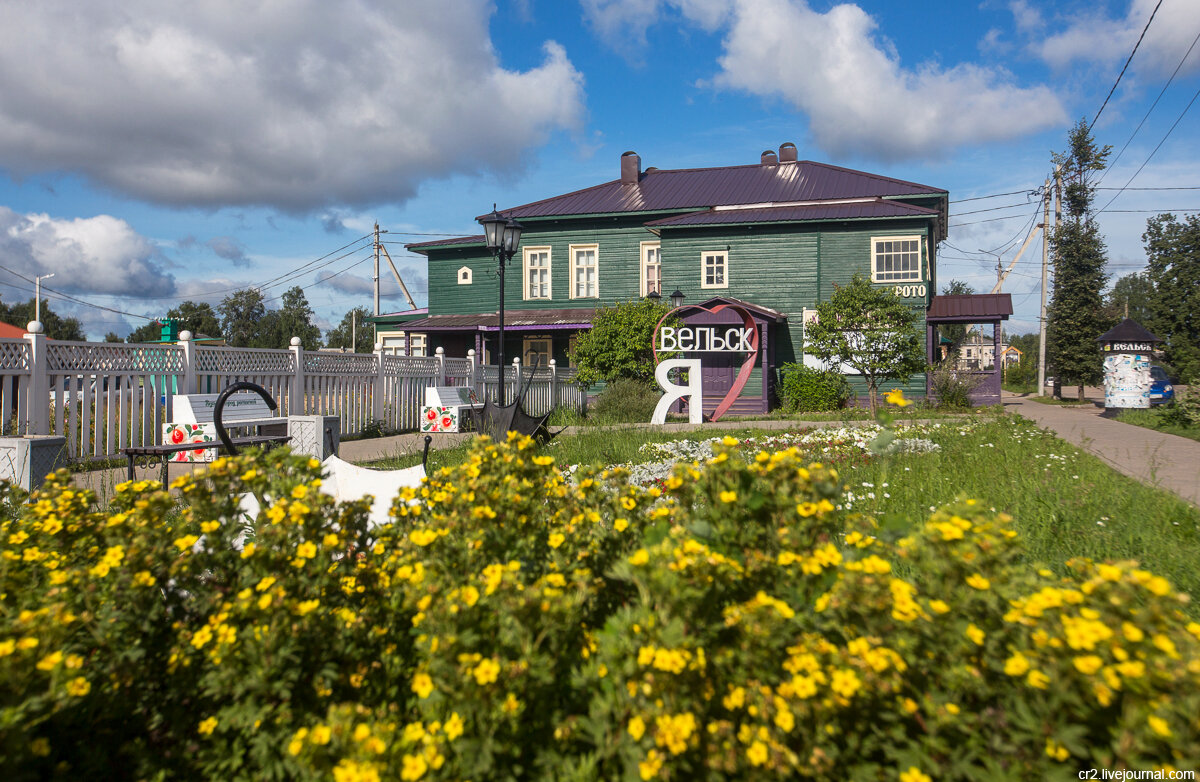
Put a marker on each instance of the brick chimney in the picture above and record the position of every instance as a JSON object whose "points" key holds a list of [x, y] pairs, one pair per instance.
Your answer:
{"points": [[631, 168], [768, 158], [787, 152]]}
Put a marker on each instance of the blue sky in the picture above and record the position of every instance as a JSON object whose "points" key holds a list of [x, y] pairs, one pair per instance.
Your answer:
{"points": [[152, 152]]}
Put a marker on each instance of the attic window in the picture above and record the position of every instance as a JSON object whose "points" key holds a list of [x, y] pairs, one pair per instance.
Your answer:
{"points": [[464, 275]]}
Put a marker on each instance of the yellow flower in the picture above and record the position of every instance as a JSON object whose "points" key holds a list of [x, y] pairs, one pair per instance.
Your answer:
{"points": [[1037, 679], [728, 496], [422, 685], [306, 550], [914, 774], [555, 540], [321, 734], [1088, 664], [422, 537], [207, 726], [186, 542], [976, 581], [143, 578], [414, 767], [306, 607], [620, 525], [1056, 750], [757, 754], [487, 671], [896, 397], [648, 768], [1017, 665], [50, 661], [79, 687], [975, 634], [636, 728], [639, 557], [453, 726], [939, 606], [1159, 725]]}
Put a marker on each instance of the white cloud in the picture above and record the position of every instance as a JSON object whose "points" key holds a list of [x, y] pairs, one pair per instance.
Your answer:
{"points": [[1095, 37], [857, 96], [99, 254], [297, 106], [851, 85]]}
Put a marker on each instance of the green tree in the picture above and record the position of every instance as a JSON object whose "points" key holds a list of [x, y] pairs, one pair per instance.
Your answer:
{"points": [[293, 319], [955, 332], [147, 332], [242, 313], [1173, 254], [112, 337], [55, 326], [870, 330], [1076, 314], [364, 335], [619, 345], [1132, 293], [198, 317]]}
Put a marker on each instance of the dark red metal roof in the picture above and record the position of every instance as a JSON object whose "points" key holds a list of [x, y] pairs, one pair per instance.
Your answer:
{"points": [[418, 246], [700, 188], [874, 208], [972, 308]]}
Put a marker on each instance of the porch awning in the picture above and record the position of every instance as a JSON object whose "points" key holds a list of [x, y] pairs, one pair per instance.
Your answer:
{"points": [[973, 308], [514, 320]]}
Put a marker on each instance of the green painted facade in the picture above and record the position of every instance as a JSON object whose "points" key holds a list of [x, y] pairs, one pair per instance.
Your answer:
{"points": [[788, 265]]}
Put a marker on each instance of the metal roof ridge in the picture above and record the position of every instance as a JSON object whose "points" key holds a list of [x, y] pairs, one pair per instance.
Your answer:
{"points": [[787, 204]]}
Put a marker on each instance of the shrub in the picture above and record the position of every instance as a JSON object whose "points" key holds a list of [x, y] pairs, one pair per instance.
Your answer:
{"points": [[952, 388], [1185, 409], [516, 623], [807, 390], [625, 401]]}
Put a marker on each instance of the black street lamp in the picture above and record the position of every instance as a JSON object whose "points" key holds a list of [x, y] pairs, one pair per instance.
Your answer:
{"points": [[677, 299], [654, 296], [502, 235]]}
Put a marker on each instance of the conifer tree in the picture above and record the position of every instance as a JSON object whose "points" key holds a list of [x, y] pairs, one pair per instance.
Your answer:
{"points": [[1173, 256], [1076, 313]]}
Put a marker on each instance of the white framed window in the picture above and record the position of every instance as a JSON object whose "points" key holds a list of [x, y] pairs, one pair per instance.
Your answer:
{"points": [[417, 345], [714, 269], [585, 271], [392, 342], [536, 349], [895, 258], [651, 268], [537, 273], [465, 275]]}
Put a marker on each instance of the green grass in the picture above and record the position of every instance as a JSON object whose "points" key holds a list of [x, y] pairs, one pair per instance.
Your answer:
{"points": [[1154, 419], [1065, 502]]}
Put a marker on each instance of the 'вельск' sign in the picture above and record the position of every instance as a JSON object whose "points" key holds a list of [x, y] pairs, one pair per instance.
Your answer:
{"points": [[701, 339], [705, 339]]}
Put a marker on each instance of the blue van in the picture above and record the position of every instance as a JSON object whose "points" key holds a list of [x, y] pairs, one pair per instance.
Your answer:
{"points": [[1161, 390]]}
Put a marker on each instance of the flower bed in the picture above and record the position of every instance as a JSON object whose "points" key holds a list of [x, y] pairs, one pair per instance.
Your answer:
{"points": [[517, 623]]}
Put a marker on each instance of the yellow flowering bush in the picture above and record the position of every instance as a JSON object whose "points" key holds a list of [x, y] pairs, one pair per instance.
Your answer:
{"points": [[516, 621]]}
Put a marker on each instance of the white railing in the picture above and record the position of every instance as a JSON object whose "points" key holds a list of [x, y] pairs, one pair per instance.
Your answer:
{"points": [[107, 396]]}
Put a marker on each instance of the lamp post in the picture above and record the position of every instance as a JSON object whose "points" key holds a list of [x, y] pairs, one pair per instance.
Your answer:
{"points": [[677, 299], [37, 295], [502, 236]]}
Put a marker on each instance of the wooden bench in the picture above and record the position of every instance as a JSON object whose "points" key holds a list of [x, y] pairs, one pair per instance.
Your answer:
{"points": [[193, 431], [443, 408], [159, 453]]}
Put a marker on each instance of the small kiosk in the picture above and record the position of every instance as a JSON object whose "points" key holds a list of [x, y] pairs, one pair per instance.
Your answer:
{"points": [[1127, 349]]}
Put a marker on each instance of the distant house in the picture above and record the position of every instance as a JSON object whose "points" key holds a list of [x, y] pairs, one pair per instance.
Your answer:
{"points": [[9, 331], [774, 237], [979, 352]]}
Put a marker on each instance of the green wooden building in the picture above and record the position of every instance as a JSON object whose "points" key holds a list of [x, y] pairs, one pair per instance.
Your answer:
{"points": [[774, 237]]}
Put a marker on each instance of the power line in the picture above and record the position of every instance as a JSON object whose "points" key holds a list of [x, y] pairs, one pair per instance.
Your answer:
{"points": [[1147, 115], [992, 209], [67, 296], [994, 195], [1122, 73]]}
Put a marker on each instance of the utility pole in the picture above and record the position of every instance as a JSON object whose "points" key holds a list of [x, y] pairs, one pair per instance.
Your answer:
{"points": [[37, 295], [354, 330], [377, 245], [1041, 373]]}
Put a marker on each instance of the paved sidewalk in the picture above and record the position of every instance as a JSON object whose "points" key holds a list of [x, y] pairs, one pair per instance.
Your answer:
{"points": [[1165, 461]]}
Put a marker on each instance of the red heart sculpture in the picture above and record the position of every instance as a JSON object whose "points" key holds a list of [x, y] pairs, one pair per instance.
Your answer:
{"points": [[747, 366]]}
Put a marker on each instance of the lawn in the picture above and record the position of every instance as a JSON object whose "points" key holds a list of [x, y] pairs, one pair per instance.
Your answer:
{"points": [[1067, 503], [1156, 418]]}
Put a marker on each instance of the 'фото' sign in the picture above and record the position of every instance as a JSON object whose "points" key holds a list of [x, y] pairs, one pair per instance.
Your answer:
{"points": [[700, 339]]}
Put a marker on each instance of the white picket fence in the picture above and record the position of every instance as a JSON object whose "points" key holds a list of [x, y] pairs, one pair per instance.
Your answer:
{"points": [[107, 396]]}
